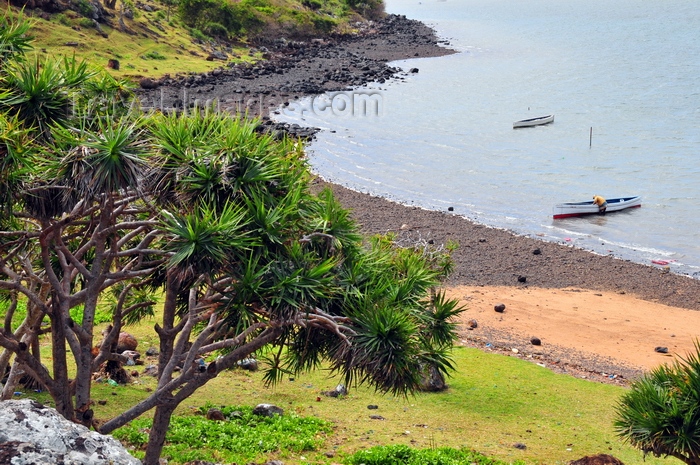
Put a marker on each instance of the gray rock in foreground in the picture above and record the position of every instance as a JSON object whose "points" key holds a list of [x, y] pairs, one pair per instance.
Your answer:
{"points": [[34, 434]]}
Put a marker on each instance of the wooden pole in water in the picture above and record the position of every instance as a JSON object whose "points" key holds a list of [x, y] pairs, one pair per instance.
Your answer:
{"points": [[590, 138]]}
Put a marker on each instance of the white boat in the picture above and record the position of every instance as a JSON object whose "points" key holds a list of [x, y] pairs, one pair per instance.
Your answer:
{"points": [[568, 210], [540, 120]]}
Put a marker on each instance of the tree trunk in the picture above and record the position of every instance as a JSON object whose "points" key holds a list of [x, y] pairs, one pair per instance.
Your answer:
{"points": [[16, 373], [62, 394], [166, 335], [156, 440]]}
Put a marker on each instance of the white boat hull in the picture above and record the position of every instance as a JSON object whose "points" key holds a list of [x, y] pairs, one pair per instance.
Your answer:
{"points": [[572, 209], [539, 121]]}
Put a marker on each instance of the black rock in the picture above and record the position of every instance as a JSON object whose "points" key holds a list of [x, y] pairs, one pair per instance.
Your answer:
{"points": [[661, 350], [536, 252], [500, 308], [535, 341], [522, 279], [373, 407], [267, 410]]}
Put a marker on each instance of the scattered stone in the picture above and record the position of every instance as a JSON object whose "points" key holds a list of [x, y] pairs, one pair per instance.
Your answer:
{"points": [[249, 364], [520, 445], [450, 209], [500, 308], [33, 433], [151, 352], [535, 341], [522, 279], [113, 64], [267, 410], [377, 417], [472, 324], [413, 70], [661, 350], [151, 370], [148, 83], [215, 414], [132, 357], [536, 252], [598, 459], [372, 407], [339, 390], [126, 342], [217, 55]]}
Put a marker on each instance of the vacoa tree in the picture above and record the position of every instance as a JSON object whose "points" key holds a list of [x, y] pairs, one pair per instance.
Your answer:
{"points": [[660, 415], [214, 220]]}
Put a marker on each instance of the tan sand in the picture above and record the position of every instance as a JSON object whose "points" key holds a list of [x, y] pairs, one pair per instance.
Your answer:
{"points": [[592, 324]]}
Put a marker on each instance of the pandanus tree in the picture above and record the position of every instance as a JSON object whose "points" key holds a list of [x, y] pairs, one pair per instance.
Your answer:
{"points": [[216, 221], [660, 415]]}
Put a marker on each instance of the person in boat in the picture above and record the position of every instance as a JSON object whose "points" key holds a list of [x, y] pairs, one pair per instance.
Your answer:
{"points": [[602, 204]]}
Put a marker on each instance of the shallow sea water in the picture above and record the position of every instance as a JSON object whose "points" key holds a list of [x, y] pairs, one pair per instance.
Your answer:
{"points": [[622, 79]]}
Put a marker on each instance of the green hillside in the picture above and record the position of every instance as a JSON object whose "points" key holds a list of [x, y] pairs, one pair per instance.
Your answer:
{"points": [[153, 38]]}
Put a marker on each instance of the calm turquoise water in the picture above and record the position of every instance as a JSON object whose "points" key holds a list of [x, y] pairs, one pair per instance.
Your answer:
{"points": [[627, 70]]}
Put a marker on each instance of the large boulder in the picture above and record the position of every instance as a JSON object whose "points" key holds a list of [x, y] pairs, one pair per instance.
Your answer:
{"points": [[32, 433], [432, 380]]}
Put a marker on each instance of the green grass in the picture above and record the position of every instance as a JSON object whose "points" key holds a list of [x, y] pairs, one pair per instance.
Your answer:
{"points": [[493, 403]]}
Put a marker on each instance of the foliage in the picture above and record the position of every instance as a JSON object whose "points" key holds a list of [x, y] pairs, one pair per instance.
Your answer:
{"points": [[404, 455], [241, 438], [255, 18], [39, 93], [154, 55], [15, 40], [372, 9], [237, 18], [216, 218], [661, 413]]}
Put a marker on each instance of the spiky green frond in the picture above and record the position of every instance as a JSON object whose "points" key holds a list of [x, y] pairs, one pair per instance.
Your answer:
{"points": [[15, 40], [205, 240], [108, 160], [661, 412]]}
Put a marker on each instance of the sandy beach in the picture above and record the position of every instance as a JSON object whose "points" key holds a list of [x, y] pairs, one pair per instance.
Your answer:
{"points": [[596, 316]]}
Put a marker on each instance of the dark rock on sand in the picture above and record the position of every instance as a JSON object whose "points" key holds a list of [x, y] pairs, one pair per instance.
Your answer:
{"points": [[500, 308], [661, 350], [535, 341]]}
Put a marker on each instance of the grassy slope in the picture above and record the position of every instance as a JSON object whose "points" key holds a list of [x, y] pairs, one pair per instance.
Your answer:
{"points": [[493, 403], [160, 43]]}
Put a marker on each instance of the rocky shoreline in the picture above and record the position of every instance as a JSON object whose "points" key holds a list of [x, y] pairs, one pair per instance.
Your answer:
{"points": [[294, 69], [486, 256]]}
